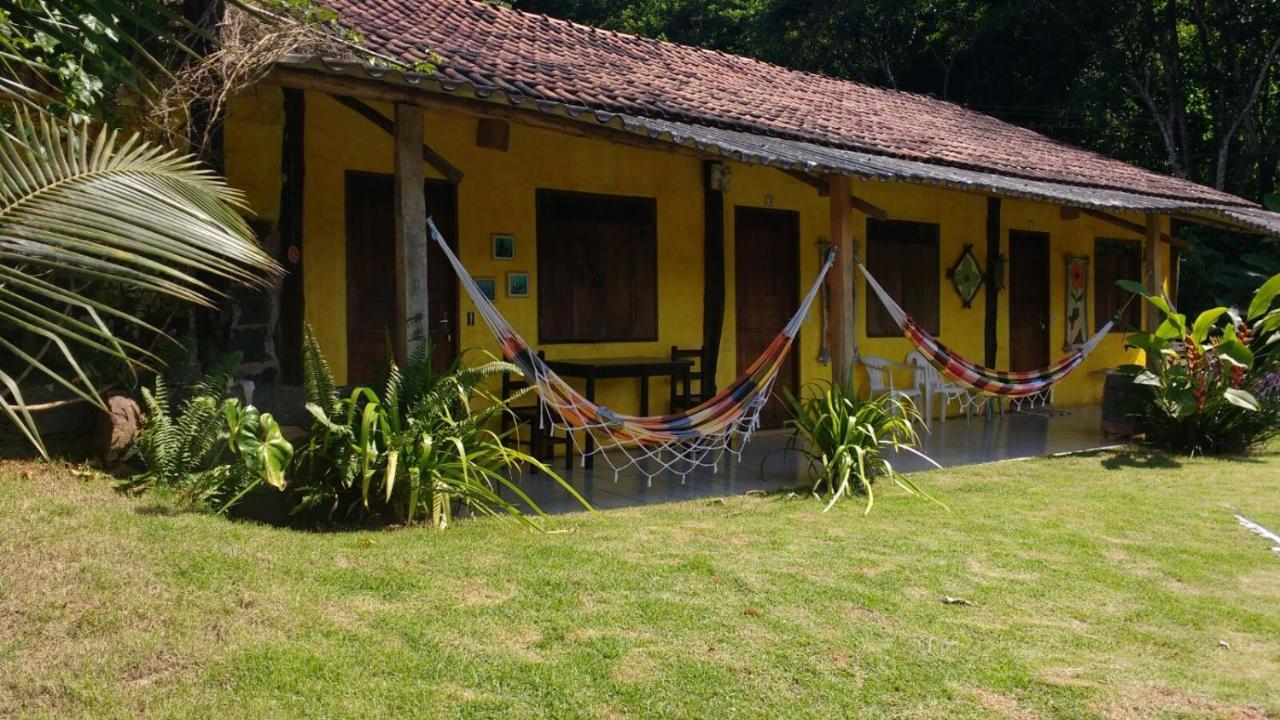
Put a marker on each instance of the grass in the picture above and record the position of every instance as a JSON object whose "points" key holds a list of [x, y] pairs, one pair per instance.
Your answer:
{"points": [[1109, 585]]}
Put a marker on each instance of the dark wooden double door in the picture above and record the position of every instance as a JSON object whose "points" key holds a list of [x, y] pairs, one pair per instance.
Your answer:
{"points": [[767, 291], [1028, 300], [371, 274]]}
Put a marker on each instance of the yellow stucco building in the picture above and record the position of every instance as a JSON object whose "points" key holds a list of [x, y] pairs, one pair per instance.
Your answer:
{"points": [[528, 175]]}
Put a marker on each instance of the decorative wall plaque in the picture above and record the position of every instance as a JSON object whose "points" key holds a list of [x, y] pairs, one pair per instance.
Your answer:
{"points": [[966, 275]]}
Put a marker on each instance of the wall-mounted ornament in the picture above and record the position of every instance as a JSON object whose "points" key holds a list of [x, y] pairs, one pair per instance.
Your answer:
{"points": [[1077, 301], [966, 275]]}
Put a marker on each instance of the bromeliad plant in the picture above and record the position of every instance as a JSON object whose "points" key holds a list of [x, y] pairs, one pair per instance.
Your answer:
{"points": [[416, 451], [1213, 386], [845, 438]]}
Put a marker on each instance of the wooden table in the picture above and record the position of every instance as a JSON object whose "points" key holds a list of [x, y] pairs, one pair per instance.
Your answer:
{"points": [[641, 368]]}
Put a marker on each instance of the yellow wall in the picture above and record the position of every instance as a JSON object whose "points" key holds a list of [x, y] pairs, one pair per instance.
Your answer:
{"points": [[497, 196]]}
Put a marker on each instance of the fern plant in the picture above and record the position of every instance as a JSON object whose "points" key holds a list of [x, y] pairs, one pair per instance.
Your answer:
{"points": [[184, 449]]}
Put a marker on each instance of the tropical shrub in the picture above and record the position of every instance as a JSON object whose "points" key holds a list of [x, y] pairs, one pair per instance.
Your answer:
{"points": [[844, 438], [1212, 385], [416, 451], [211, 451]]}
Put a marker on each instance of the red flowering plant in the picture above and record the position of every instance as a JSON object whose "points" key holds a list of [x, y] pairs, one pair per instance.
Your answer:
{"points": [[1213, 386]]}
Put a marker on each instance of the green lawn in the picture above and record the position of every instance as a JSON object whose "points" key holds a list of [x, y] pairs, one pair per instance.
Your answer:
{"points": [[1110, 585]]}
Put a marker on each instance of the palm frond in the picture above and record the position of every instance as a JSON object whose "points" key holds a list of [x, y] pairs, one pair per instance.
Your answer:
{"points": [[93, 208]]}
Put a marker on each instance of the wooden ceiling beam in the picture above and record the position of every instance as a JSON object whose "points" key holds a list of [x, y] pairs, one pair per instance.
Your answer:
{"points": [[1133, 227], [433, 158], [824, 190], [868, 209]]}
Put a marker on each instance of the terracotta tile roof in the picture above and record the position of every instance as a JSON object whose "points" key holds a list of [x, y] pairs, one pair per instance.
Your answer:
{"points": [[537, 57]]}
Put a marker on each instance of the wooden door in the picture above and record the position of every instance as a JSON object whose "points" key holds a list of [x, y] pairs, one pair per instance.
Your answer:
{"points": [[1028, 300], [767, 291], [371, 281], [442, 281]]}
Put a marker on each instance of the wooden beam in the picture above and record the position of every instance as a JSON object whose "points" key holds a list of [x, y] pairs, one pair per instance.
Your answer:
{"points": [[433, 158], [1151, 267], [411, 232], [288, 337], [713, 279], [867, 208], [842, 337], [824, 190], [814, 182], [991, 322], [1134, 227]]}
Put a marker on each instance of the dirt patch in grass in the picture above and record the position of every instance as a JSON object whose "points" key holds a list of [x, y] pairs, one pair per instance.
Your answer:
{"points": [[1143, 702], [1003, 706]]}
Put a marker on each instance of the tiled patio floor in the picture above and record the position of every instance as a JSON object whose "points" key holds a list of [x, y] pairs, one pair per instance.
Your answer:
{"points": [[764, 465]]}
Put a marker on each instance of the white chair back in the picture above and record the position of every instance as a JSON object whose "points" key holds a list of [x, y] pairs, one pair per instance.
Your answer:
{"points": [[926, 374], [878, 373]]}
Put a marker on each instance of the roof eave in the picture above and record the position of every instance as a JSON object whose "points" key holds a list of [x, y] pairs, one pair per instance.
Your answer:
{"points": [[810, 157]]}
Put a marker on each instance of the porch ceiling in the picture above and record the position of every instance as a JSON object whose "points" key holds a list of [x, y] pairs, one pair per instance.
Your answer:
{"points": [[810, 157]]}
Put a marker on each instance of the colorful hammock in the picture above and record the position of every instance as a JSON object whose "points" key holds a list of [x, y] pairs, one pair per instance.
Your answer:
{"points": [[969, 374], [680, 442]]}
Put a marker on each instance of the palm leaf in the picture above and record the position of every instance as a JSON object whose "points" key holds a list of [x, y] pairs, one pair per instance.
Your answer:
{"points": [[93, 208]]}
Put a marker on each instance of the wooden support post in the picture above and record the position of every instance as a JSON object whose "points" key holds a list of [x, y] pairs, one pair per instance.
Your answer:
{"points": [[292, 196], [411, 232], [842, 328], [1151, 267], [995, 270], [713, 280]]}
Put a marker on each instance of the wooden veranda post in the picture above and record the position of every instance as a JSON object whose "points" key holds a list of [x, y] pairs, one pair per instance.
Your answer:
{"points": [[1151, 268], [841, 337], [411, 232]]}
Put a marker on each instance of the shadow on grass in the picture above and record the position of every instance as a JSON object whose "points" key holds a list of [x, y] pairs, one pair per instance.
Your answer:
{"points": [[158, 510], [1141, 458], [1152, 458]]}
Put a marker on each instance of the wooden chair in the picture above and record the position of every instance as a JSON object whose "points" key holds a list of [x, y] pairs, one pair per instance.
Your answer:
{"points": [[689, 394], [542, 441]]}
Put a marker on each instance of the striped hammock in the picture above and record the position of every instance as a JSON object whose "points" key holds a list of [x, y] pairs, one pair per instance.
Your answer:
{"points": [[969, 374], [680, 442]]}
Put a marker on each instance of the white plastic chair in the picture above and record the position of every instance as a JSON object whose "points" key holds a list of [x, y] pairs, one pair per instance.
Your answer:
{"points": [[880, 373], [935, 384]]}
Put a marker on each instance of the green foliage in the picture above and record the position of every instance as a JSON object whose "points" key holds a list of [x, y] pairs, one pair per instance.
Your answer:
{"points": [[416, 451], [210, 451], [844, 438], [73, 56], [90, 210], [1211, 387]]}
